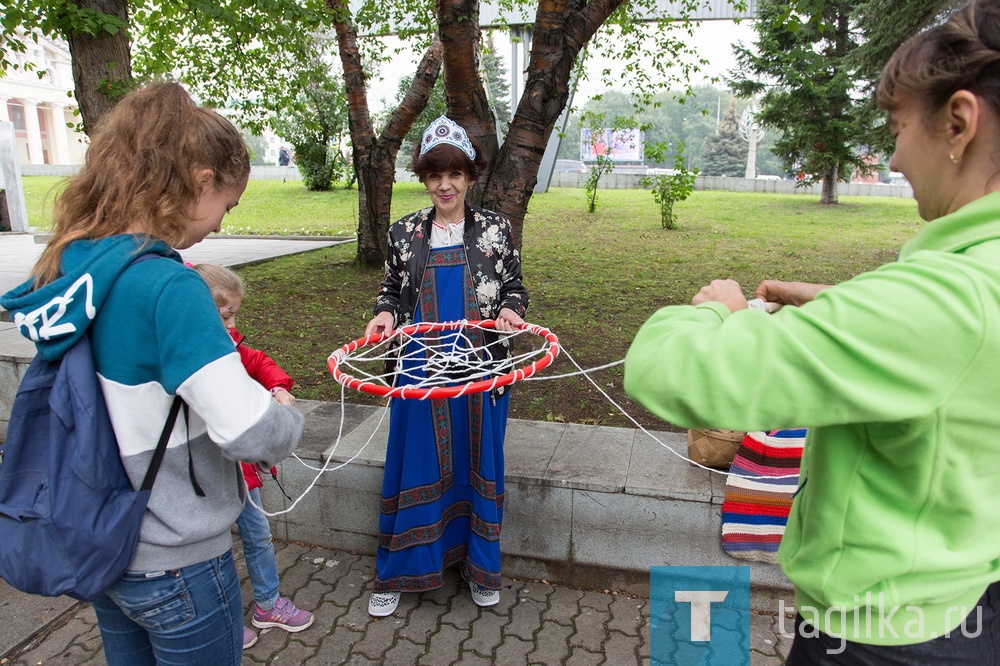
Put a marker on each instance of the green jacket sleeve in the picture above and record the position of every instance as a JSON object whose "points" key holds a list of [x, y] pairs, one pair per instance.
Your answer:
{"points": [[886, 346]]}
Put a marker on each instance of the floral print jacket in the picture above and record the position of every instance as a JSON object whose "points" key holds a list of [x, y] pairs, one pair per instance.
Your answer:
{"points": [[494, 263]]}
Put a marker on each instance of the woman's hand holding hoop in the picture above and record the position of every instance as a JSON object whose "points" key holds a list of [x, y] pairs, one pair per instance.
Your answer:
{"points": [[380, 323], [508, 321]]}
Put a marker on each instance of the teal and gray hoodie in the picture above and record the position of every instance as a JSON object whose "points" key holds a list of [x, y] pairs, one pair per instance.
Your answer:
{"points": [[156, 333], [895, 531]]}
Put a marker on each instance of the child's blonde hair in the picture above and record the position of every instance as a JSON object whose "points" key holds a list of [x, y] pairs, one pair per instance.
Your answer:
{"points": [[222, 282], [140, 170]]}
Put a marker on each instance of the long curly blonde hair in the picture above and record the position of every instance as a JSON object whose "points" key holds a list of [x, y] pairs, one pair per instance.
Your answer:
{"points": [[140, 172]]}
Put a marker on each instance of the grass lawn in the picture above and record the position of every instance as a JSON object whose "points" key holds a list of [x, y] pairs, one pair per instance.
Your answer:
{"points": [[593, 278]]}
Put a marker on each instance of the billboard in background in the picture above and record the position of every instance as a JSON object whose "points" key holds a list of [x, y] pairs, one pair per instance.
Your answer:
{"points": [[623, 145]]}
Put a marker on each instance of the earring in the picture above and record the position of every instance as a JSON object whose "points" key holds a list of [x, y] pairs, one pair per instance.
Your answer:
{"points": [[954, 160]]}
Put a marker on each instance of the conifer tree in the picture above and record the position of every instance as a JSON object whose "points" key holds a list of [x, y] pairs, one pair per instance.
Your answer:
{"points": [[725, 152], [807, 83]]}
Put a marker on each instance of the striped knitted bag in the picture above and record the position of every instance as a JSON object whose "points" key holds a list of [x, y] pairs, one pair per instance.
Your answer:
{"points": [[755, 510]]}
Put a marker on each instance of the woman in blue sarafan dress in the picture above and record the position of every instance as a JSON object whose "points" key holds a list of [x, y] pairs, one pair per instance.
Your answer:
{"points": [[443, 489]]}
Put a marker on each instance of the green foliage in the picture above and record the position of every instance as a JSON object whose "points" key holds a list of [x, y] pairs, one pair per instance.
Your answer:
{"points": [[316, 124], [603, 165], [808, 84], [653, 56], [317, 164], [725, 153], [668, 189], [53, 18], [254, 58], [687, 120], [611, 104], [884, 31]]}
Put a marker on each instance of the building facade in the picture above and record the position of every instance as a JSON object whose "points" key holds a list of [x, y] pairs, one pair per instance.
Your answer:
{"points": [[42, 108]]}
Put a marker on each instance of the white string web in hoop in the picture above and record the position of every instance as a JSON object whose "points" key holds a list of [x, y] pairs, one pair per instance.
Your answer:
{"points": [[442, 360]]}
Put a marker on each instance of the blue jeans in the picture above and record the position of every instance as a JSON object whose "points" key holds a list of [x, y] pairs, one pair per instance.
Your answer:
{"points": [[258, 550], [184, 617]]}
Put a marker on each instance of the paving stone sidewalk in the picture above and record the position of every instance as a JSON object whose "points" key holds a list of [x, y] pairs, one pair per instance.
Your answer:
{"points": [[534, 623]]}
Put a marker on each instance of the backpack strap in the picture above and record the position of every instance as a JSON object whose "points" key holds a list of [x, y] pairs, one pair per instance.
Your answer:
{"points": [[161, 446], [194, 481]]}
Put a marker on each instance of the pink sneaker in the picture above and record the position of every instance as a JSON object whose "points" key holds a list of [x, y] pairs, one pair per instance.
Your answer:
{"points": [[284, 615], [249, 638]]}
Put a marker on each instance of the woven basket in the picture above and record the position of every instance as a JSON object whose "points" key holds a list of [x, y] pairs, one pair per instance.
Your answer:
{"points": [[713, 448]]}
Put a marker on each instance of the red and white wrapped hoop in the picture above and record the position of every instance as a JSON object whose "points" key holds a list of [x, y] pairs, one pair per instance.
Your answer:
{"points": [[548, 353]]}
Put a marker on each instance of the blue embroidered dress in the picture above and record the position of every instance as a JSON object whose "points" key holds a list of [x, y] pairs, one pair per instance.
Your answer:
{"points": [[442, 493]]}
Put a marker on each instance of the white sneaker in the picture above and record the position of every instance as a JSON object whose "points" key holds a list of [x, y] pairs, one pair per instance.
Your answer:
{"points": [[483, 596], [381, 604]]}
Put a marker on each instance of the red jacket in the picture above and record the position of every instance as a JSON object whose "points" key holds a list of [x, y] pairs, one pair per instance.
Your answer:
{"points": [[268, 374]]}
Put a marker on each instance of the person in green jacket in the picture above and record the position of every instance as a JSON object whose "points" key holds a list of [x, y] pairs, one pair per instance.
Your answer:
{"points": [[893, 542]]}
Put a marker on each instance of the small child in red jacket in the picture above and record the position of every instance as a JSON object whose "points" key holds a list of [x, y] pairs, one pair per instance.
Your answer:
{"points": [[270, 609]]}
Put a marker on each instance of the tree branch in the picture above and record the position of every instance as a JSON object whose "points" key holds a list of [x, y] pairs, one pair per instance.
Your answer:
{"points": [[359, 116], [466, 99], [415, 99]]}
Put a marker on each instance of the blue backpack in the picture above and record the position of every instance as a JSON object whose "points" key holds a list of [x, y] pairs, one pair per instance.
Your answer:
{"points": [[69, 517]]}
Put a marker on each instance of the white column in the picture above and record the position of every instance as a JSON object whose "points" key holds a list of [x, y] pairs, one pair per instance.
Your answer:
{"points": [[4, 111], [35, 153], [58, 133], [10, 178], [751, 170]]}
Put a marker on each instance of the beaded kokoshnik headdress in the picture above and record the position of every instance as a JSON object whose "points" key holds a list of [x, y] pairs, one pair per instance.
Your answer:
{"points": [[445, 130]]}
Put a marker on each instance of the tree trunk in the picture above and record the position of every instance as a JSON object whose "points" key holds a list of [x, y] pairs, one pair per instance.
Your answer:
{"points": [[102, 64], [562, 29], [841, 39], [468, 105], [375, 158], [829, 194]]}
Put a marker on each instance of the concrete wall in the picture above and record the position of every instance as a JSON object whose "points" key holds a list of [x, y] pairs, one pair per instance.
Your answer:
{"points": [[589, 506]]}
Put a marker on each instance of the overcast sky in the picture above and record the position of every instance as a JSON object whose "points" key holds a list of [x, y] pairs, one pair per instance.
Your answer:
{"points": [[713, 39]]}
